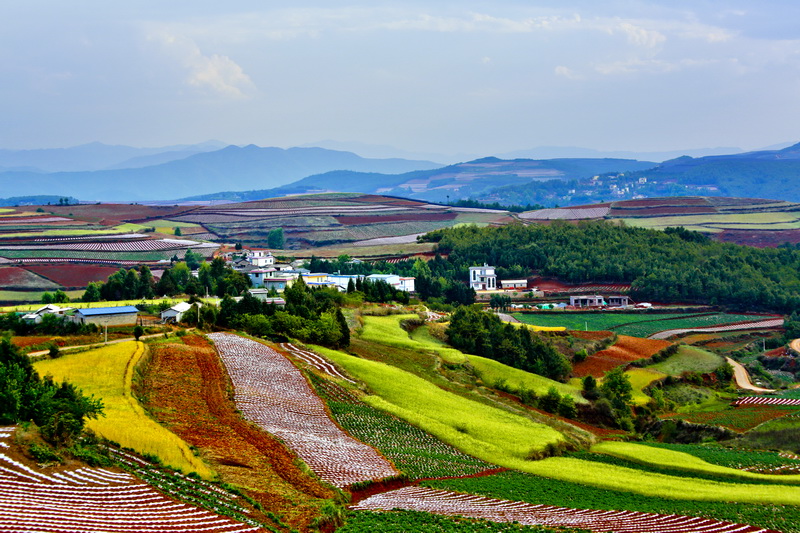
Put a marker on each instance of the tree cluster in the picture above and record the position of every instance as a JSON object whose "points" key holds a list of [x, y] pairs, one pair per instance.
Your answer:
{"points": [[60, 410], [310, 314], [138, 283], [475, 331], [678, 265]]}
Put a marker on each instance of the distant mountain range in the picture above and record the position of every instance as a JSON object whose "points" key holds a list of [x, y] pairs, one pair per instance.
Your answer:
{"points": [[204, 172], [231, 167]]}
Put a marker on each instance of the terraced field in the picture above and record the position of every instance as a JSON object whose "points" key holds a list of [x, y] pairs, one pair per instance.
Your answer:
{"points": [[273, 394], [93, 500], [456, 504]]}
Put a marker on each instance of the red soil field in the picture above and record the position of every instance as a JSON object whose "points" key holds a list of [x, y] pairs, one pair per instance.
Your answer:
{"points": [[372, 219], [723, 201], [120, 212], [187, 390], [374, 198], [554, 285], [662, 211], [625, 350], [73, 275], [591, 335], [19, 278], [667, 201], [759, 238]]}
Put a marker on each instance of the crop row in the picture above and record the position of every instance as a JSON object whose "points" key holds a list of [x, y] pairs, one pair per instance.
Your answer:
{"points": [[271, 392], [539, 490], [141, 245], [315, 360], [739, 418], [766, 400], [755, 324], [497, 510], [95, 500]]}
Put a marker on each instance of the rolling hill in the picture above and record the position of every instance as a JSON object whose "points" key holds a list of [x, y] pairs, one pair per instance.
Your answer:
{"points": [[235, 167]]}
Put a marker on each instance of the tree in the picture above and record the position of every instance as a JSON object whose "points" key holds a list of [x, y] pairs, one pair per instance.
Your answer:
{"points": [[177, 231], [192, 259], [344, 341], [47, 298], [275, 238], [138, 331], [60, 297], [92, 293]]}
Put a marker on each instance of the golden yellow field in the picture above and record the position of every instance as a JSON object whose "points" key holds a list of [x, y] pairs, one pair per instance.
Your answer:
{"points": [[107, 373]]}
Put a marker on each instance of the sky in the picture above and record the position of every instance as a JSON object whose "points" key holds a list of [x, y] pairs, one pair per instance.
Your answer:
{"points": [[434, 77]]}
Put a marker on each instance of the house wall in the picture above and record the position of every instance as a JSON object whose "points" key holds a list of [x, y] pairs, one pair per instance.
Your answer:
{"points": [[124, 319]]}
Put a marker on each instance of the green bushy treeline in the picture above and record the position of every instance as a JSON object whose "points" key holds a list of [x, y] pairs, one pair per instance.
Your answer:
{"points": [[215, 278], [674, 265], [60, 410], [474, 331], [311, 314]]}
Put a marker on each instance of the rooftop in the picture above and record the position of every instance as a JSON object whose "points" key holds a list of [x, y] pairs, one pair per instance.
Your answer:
{"points": [[108, 310]]}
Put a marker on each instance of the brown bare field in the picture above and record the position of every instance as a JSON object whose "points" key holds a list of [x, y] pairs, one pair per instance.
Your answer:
{"points": [[625, 350], [118, 212], [73, 275], [348, 220], [590, 335], [19, 278], [186, 389]]}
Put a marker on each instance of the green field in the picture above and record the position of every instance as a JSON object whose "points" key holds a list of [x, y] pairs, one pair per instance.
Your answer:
{"points": [[689, 359], [544, 491], [489, 433], [593, 321], [666, 458], [640, 378], [761, 220], [492, 373]]}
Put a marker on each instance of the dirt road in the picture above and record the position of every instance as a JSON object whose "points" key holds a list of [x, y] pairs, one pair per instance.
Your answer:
{"points": [[743, 378]]}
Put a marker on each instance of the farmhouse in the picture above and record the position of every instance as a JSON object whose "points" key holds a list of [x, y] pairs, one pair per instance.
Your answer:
{"points": [[587, 301], [519, 284], [618, 301], [107, 316], [400, 283], [482, 278], [175, 313], [341, 280], [49, 309], [263, 295]]}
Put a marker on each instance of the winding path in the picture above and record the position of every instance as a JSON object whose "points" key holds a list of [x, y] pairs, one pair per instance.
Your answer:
{"points": [[743, 378]]}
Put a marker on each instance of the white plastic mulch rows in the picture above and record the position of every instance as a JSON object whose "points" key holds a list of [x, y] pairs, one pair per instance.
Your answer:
{"points": [[271, 392], [767, 400], [758, 324], [455, 504], [94, 500], [317, 361]]}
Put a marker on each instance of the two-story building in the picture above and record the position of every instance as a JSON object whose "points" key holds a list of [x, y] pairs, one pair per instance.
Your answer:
{"points": [[482, 278]]}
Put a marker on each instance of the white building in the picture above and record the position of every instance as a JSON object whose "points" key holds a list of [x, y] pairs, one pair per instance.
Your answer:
{"points": [[403, 284], [49, 309], [519, 284], [260, 258], [482, 278], [175, 313], [593, 300]]}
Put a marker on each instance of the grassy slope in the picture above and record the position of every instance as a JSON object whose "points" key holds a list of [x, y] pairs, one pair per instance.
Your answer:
{"points": [[107, 373], [422, 403], [441, 413], [689, 359]]}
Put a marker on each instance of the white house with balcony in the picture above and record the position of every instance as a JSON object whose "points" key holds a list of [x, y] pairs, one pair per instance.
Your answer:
{"points": [[482, 278]]}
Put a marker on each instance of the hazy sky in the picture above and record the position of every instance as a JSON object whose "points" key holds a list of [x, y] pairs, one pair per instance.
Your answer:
{"points": [[461, 76]]}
